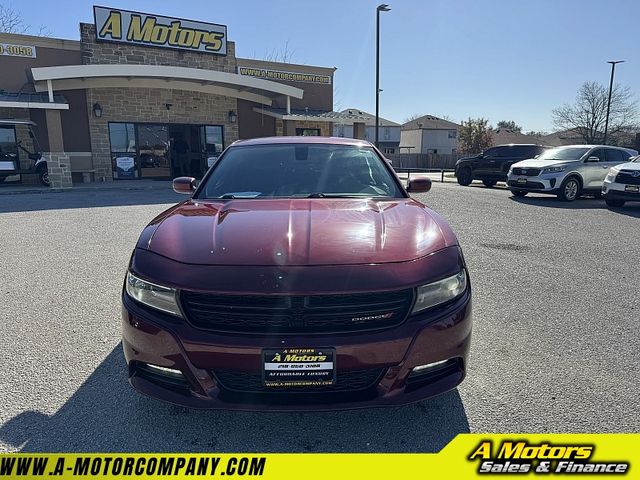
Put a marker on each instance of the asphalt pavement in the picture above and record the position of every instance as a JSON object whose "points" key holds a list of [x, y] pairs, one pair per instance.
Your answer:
{"points": [[556, 345]]}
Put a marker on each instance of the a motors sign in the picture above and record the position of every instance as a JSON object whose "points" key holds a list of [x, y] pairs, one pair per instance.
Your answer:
{"points": [[123, 26]]}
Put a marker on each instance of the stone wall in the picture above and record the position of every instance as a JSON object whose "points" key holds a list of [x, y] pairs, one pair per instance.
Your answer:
{"points": [[149, 105]]}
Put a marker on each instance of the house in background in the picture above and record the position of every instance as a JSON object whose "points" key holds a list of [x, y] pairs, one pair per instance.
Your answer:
{"points": [[388, 136], [503, 136], [429, 134], [563, 137]]}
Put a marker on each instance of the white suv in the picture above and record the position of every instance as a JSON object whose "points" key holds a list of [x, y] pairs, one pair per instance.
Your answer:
{"points": [[622, 183], [566, 171]]}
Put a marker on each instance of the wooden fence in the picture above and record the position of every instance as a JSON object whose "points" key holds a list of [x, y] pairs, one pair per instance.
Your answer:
{"points": [[424, 160]]}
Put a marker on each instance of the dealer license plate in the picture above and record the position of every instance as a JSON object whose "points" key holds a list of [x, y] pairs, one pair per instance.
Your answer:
{"points": [[521, 180], [632, 188], [298, 367]]}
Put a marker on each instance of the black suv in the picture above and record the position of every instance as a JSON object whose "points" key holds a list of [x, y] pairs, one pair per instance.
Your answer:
{"points": [[492, 165]]}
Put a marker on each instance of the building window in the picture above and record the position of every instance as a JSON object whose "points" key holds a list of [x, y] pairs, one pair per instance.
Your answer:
{"points": [[453, 133], [388, 150], [307, 132], [213, 142]]}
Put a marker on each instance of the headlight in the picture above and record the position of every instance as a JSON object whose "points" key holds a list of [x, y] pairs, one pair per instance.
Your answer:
{"points": [[611, 176], [553, 169], [441, 291], [155, 296]]}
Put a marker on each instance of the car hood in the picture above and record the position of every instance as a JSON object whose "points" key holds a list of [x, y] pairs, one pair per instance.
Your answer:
{"points": [[537, 163], [282, 232], [628, 166]]}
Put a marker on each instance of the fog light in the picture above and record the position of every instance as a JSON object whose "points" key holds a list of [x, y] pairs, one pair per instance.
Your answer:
{"points": [[429, 366], [163, 370]]}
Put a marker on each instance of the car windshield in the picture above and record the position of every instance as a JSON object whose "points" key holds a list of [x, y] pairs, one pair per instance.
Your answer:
{"points": [[563, 153], [299, 171]]}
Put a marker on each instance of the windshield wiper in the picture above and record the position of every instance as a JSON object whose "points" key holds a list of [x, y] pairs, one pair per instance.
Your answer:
{"points": [[228, 195], [336, 195]]}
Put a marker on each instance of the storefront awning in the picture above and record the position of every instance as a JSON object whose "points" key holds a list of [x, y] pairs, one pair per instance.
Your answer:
{"points": [[313, 115], [74, 77], [33, 100]]}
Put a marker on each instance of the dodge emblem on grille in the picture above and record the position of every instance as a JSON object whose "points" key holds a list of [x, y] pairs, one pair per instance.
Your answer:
{"points": [[368, 318]]}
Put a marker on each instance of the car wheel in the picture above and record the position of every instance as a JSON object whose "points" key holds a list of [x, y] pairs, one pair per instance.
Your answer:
{"points": [[518, 193], [614, 203], [569, 190], [489, 183], [465, 176], [43, 175]]}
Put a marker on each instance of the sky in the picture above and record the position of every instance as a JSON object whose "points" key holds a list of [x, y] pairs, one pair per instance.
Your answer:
{"points": [[497, 59]]}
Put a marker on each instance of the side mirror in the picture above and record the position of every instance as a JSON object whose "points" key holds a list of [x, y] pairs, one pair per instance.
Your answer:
{"points": [[593, 160], [186, 185], [419, 185], [389, 161]]}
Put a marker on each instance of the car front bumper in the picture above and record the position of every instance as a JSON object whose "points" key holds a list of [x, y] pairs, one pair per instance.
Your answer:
{"points": [[547, 182], [618, 191], [152, 338]]}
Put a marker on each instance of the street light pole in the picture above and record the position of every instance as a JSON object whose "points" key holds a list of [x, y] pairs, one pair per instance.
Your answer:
{"points": [[381, 8], [606, 122]]}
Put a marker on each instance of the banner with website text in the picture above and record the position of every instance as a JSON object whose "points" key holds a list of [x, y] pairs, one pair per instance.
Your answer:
{"points": [[466, 456]]}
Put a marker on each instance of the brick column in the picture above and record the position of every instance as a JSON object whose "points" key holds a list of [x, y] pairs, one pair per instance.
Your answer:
{"points": [[57, 161]]}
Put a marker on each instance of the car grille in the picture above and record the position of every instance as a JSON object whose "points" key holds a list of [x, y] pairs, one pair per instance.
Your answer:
{"points": [[296, 314], [530, 185], [347, 381], [531, 172], [627, 178]]}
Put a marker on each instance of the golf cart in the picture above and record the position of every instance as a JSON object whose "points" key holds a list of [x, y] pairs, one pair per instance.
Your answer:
{"points": [[10, 149]]}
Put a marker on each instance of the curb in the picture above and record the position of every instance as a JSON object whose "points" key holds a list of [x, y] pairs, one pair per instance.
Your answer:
{"points": [[80, 189]]}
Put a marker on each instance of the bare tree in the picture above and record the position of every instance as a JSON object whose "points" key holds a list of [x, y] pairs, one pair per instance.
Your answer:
{"points": [[587, 115], [11, 21], [282, 55], [413, 117]]}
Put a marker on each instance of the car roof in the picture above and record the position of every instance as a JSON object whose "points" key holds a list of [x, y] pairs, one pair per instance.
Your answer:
{"points": [[302, 140], [520, 145]]}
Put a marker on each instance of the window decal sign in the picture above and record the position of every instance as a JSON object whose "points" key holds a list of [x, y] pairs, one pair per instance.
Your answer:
{"points": [[124, 26]]}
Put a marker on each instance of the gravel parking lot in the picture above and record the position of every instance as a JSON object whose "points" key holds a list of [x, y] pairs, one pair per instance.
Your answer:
{"points": [[556, 344]]}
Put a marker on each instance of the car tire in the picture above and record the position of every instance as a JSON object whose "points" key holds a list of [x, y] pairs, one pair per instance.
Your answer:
{"points": [[614, 203], [570, 189], [489, 183], [43, 176], [518, 193], [464, 176]]}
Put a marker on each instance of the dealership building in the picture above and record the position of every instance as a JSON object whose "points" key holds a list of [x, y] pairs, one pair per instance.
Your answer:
{"points": [[146, 96]]}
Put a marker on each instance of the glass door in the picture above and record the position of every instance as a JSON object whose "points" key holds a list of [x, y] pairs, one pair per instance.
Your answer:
{"points": [[153, 148]]}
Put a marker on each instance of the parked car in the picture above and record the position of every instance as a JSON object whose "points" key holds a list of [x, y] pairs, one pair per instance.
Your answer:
{"points": [[622, 183], [567, 171], [492, 165], [299, 275]]}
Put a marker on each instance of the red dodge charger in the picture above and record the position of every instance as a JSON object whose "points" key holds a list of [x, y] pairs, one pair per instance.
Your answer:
{"points": [[299, 275]]}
